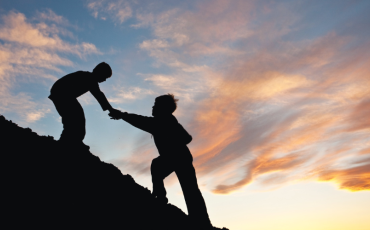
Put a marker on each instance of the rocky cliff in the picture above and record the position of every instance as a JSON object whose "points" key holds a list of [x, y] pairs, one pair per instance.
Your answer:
{"points": [[47, 185]]}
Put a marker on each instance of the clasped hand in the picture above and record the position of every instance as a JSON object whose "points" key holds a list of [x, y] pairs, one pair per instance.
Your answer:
{"points": [[115, 114]]}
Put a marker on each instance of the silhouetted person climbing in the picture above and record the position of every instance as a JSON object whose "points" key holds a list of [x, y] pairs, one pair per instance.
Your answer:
{"points": [[171, 140], [64, 95]]}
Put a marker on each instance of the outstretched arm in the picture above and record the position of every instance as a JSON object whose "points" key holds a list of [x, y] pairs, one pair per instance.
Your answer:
{"points": [[140, 122], [104, 103], [100, 97]]}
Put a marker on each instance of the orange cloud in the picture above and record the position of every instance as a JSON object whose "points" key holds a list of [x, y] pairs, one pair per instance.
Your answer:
{"points": [[223, 126], [359, 118], [353, 178], [273, 102]]}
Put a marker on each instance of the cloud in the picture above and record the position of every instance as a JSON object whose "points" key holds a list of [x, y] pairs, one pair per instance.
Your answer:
{"points": [[18, 31], [139, 161], [34, 116], [124, 95], [306, 118], [154, 44], [358, 119], [119, 10], [31, 52], [269, 102], [355, 178], [184, 85], [51, 16]]}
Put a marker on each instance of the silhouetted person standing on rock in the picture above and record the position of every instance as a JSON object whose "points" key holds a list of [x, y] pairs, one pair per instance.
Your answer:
{"points": [[171, 140], [64, 95]]}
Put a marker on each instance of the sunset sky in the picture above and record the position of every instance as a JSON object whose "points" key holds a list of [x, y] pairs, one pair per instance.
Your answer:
{"points": [[276, 95]]}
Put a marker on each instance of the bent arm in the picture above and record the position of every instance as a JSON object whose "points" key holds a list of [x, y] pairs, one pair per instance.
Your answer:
{"points": [[184, 135]]}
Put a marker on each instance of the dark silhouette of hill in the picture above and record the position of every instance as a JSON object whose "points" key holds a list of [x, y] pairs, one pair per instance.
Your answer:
{"points": [[47, 185]]}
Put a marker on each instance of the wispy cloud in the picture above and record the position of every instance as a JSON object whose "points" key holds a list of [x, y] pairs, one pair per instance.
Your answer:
{"points": [[129, 94], [118, 10], [32, 51], [49, 15], [299, 122], [275, 103]]}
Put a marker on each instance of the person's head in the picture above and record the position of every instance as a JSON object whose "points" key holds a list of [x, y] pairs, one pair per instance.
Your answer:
{"points": [[164, 105], [102, 71]]}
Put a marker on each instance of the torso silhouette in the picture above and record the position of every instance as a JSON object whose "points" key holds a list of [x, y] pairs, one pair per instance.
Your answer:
{"points": [[76, 84], [64, 95], [169, 136]]}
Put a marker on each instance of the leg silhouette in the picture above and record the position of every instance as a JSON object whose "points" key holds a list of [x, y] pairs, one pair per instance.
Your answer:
{"points": [[73, 119], [160, 169], [197, 209], [184, 169]]}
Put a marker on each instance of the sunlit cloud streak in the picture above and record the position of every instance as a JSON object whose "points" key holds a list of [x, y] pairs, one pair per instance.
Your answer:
{"points": [[31, 51], [275, 102], [127, 94], [318, 107]]}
